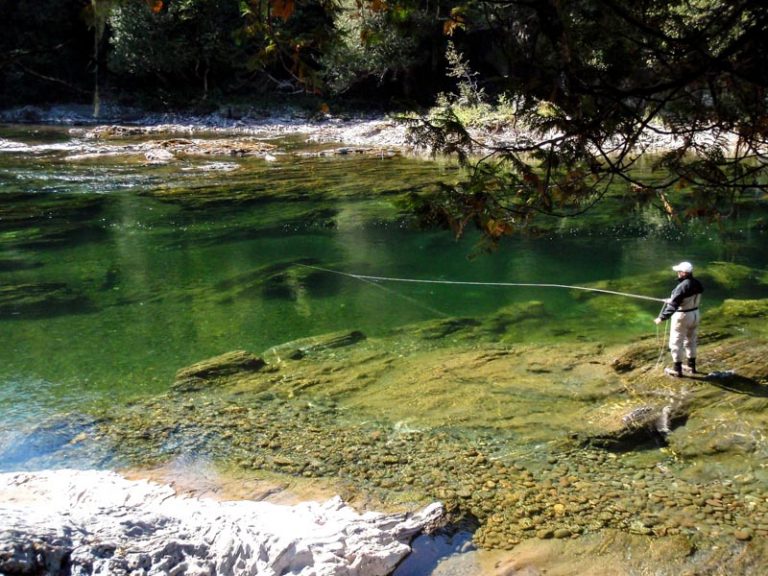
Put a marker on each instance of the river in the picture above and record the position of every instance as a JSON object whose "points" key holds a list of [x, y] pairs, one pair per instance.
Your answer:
{"points": [[115, 272]]}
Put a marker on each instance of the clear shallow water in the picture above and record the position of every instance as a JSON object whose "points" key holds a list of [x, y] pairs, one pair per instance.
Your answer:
{"points": [[138, 278]]}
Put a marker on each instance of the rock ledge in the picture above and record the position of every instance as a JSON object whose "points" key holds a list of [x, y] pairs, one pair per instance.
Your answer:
{"points": [[96, 522]]}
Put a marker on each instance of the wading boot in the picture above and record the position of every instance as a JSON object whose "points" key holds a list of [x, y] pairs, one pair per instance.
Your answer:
{"points": [[677, 371], [691, 368]]}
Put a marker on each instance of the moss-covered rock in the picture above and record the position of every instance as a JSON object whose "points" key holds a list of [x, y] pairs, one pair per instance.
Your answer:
{"points": [[218, 371], [23, 209], [442, 328], [298, 349], [638, 425], [512, 315], [39, 219], [731, 276], [743, 308]]}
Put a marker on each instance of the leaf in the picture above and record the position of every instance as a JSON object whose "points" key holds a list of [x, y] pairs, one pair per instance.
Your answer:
{"points": [[282, 8], [497, 228], [450, 26], [377, 5], [456, 21], [155, 6]]}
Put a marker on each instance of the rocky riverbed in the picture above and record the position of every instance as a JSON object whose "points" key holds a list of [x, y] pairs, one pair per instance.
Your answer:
{"points": [[519, 442], [116, 126], [376, 134]]}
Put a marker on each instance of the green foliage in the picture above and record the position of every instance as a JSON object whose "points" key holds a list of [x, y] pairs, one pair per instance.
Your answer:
{"points": [[188, 42], [470, 93], [379, 42], [285, 40], [596, 83]]}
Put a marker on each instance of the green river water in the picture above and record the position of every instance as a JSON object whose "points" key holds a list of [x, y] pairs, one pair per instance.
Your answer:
{"points": [[115, 273]]}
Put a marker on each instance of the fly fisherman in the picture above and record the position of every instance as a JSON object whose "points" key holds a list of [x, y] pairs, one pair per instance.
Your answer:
{"points": [[682, 309]]}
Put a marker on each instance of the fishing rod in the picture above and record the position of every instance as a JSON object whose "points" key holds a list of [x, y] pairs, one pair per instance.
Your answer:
{"points": [[366, 277]]}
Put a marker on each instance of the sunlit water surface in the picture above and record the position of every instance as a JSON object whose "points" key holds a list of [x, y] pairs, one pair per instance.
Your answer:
{"points": [[134, 286]]}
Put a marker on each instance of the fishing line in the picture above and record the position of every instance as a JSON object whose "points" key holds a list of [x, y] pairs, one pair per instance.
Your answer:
{"points": [[472, 283], [368, 279], [403, 296], [659, 360]]}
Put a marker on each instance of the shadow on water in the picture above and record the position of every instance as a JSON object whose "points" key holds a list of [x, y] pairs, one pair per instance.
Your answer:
{"points": [[430, 550], [737, 384]]}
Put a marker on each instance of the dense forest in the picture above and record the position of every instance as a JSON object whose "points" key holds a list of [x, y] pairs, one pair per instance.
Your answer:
{"points": [[573, 53], [590, 80], [182, 52]]}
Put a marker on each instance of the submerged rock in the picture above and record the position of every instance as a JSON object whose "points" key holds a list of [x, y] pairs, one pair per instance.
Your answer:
{"points": [[41, 300], [298, 349], [732, 276], [640, 426], [744, 308], [214, 371], [50, 438], [442, 328], [243, 146], [91, 522]]}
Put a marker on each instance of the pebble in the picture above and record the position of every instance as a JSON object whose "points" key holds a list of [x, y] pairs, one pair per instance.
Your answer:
{"points": [[558, 495]]}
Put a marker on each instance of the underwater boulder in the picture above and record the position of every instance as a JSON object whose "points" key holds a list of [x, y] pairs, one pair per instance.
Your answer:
{"points": [[298, 349], [442, 328], [730, 276], [509, 316], [45, 439], [41, 300], [643, 426], [216, 371], [743, 308]]}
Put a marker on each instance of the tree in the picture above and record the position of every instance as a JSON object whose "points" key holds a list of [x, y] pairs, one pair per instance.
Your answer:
{"points": [[599, 82], [286, 39], [379, 43], [45, 51], [176, 44]]}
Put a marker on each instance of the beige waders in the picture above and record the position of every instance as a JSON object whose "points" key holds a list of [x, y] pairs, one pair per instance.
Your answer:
{"points": [[683, 326]]}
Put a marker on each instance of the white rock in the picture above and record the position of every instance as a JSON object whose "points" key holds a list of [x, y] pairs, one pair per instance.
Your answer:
{"points": [[158, 156], [107, 524]]}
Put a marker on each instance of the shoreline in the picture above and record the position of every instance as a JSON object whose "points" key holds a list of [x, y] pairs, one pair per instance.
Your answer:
{"points": [[364, 129], [353, 129]]}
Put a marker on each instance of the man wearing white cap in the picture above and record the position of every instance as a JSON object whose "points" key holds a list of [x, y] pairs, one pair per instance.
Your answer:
{"points": [[682, 309]]}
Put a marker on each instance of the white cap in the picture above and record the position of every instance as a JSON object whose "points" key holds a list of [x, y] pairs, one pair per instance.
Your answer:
{"points": [[683, 267]]}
